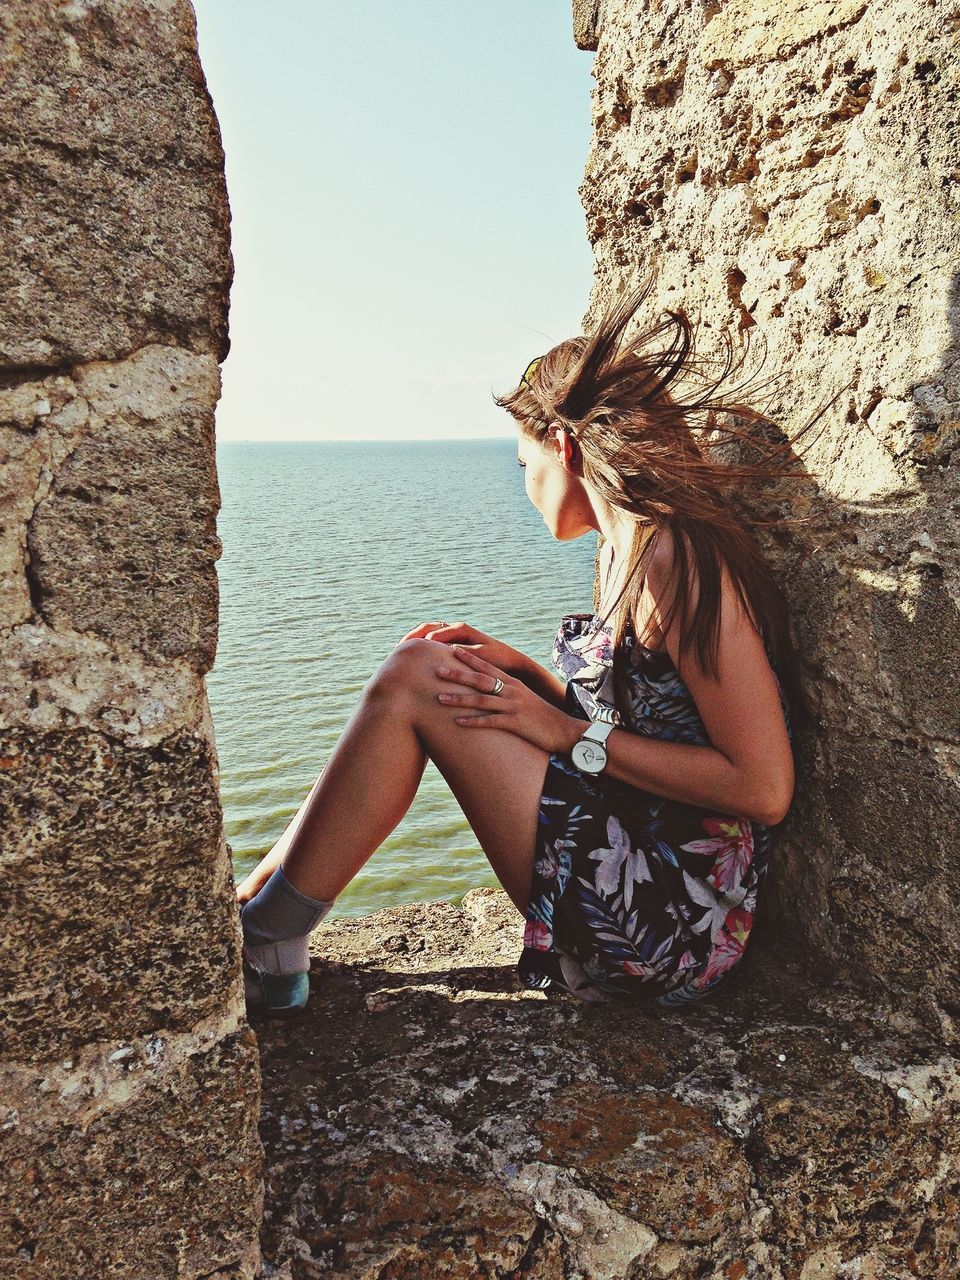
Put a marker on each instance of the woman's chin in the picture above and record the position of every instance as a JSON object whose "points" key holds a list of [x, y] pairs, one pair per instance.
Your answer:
{"points": [[563, 533]]}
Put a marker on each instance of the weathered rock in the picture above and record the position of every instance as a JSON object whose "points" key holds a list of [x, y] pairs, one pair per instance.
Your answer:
{"points": [[427, 1117], [115, 204], [133, 1159], [792, 172], [129, 1089], [138, 831], [585, 16], [121, 539]]}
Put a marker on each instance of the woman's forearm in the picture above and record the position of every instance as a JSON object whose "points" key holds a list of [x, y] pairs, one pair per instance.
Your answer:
{"points": [[692, 774]]}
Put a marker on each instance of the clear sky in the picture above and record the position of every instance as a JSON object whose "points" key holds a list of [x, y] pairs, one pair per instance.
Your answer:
{"points": [[407, 231]]}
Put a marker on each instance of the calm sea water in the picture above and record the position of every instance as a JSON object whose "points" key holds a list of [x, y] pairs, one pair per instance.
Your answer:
{"points": [[332, 552]]}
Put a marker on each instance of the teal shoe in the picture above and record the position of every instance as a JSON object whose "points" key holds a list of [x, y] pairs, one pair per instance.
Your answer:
{"points": [[277, 995]]}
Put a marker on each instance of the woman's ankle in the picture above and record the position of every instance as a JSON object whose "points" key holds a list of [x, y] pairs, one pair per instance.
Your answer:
{"points": [[290, 955], [280, 913]]}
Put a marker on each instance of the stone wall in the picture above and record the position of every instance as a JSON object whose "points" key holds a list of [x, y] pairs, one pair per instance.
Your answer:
{"points": [[792, 172], [129, 1091]]}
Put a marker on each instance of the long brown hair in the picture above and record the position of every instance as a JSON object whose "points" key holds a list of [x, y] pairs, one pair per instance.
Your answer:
{"points": [[666, 459]]}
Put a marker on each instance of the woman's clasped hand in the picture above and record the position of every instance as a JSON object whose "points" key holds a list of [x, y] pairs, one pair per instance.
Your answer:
{"points": [[462, 634], [479, 661]]}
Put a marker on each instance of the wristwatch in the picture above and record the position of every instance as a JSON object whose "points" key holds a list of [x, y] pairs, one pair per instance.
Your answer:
{"points": [[589, 754]]}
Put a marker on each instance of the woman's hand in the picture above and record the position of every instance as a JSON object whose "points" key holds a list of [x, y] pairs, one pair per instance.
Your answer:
{"points": [[515, 708], [493, 651]]}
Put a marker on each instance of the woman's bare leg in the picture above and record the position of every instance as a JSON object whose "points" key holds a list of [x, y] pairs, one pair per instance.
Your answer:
{"points": [[252, 883], [371, 777]]}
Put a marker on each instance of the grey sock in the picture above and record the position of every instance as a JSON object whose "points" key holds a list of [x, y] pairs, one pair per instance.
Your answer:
{"points": [[277, 924]]}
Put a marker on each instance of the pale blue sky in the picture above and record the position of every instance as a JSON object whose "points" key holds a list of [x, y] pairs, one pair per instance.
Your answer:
{"points": [[407, 231]]}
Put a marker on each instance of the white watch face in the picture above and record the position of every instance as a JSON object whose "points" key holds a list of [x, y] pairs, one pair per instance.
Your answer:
{"points": [[589, 756]]}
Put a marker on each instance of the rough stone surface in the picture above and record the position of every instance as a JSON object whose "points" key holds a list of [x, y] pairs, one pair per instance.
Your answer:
{"points": [[129, 1090], [792, 173], [585, 14], [134, 1163], [427, 1117], [121, 505], [138, 830], [115, 204]]}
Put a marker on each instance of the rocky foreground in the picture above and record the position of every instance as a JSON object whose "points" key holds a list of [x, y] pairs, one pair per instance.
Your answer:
{"points": [[429, 1118]]}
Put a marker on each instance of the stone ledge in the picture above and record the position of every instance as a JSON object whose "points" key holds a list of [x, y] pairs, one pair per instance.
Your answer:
{"points": [[429, 1118]]}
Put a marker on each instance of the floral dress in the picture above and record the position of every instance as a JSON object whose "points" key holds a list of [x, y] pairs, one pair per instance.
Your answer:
{"points": [[635, 896]]}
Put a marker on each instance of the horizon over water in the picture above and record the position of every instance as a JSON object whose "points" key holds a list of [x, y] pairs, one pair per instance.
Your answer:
{"points": [[333, 550]]}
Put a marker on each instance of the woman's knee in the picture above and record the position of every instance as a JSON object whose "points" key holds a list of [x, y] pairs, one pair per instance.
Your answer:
{"points": [[407, 670]]}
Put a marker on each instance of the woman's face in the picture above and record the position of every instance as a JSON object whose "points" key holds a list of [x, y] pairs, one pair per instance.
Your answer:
{"points": [[553, 488]]}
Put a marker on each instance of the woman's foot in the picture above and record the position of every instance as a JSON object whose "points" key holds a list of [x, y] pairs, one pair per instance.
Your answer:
{"points": [[276, 926], [274, 995]]}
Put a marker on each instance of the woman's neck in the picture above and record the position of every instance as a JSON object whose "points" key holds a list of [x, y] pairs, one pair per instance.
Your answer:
{"points": [[613, 567], [620, 537]]}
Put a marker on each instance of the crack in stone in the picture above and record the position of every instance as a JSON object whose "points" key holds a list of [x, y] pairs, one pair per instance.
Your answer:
{"points": [[41, 494], [169, 156], [14, 376]]}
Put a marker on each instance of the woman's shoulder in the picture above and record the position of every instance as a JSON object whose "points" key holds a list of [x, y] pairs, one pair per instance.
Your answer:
{"points": [[662, 560]]}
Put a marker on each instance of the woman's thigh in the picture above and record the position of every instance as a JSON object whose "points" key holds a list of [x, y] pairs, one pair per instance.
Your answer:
{"points": [[496, 776]]}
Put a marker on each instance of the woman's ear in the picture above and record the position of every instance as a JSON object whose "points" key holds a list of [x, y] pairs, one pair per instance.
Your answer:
{"points": [[562, 444]]}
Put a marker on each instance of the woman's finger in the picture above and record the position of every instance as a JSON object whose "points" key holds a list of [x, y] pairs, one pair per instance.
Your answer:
{"points": [[479, 664], [479, 701], [417, 633], [438, 624], [464, 675], [453, 632]]}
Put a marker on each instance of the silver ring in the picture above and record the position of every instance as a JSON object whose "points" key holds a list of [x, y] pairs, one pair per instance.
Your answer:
{"points": [[498, 686]]}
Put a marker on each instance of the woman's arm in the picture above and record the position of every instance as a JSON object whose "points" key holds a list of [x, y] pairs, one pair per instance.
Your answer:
{"points": [[748, 769], [696, 775]]}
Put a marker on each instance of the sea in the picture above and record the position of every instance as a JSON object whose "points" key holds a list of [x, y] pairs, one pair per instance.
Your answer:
{"points": [[332, 551]]}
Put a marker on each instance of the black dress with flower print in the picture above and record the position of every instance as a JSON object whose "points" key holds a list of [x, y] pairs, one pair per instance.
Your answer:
{"points": [[633, 895]]}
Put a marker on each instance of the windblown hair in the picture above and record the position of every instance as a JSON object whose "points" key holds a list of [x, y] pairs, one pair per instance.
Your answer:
{"points": [[653, 452]]}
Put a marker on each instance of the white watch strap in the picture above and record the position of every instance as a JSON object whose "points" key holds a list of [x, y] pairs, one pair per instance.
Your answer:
{"points": [[599, 731]]}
